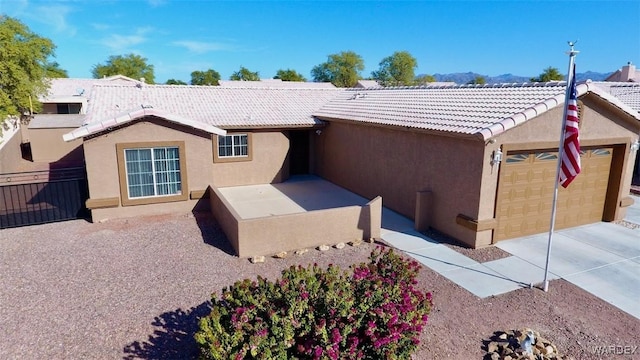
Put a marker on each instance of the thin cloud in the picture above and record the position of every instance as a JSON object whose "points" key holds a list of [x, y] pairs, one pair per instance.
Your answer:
{"points": [[122, 42], [200, 47], [54, 15]]}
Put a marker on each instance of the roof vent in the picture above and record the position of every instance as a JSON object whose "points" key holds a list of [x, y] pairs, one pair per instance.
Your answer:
{"points": [[79, 91]]}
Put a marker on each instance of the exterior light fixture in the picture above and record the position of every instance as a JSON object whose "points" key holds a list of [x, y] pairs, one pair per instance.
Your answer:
{"points": [[635, 145], [496, 158]]}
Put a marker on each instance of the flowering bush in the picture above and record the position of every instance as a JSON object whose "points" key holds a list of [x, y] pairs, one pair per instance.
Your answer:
{"points": [[373, 311]]}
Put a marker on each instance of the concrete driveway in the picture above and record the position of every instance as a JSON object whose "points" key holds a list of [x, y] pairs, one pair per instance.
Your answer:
{"points": [[601, 258]]}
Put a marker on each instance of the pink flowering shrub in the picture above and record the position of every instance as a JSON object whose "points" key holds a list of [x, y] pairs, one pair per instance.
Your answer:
{"points": [[373, 311]]}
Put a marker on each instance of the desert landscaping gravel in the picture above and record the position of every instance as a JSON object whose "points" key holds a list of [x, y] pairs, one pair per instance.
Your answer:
{"points": [[134, 289]]}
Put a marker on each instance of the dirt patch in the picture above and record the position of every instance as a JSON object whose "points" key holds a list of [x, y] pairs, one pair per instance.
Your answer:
{"points": [[135, 288]]}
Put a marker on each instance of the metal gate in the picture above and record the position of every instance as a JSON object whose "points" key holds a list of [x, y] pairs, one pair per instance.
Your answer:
{"points": [[39, 197]]}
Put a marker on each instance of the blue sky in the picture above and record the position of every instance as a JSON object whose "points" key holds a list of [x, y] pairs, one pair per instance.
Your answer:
{"points": [[487, 37]]}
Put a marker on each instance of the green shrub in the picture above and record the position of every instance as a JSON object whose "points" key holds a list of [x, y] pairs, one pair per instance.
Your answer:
{"points": [[373, 311]]}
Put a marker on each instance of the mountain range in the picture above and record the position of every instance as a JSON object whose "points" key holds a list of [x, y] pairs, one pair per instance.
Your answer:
{"points": [[463, 78]]}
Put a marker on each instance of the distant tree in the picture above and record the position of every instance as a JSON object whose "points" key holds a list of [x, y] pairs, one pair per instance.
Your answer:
{"points": [[54, 70], [424, 79], [342, 70], [289, 75], [23, 64], [245, 74], [478, 80], [397, 69], [131, 65], [549, 74], [175, 82], [209, 77]]}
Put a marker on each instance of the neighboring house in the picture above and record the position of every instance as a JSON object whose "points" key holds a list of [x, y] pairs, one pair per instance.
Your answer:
{"points": [[478, 162], [628, 73], [275, 83], [362, 84], [64, 108]]}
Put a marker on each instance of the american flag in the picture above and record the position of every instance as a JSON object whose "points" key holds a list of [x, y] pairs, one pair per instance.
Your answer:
{"points": [[571, 154]]}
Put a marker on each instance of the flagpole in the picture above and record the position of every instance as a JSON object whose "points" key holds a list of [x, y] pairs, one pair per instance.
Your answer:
{"points": [[572, 53]]}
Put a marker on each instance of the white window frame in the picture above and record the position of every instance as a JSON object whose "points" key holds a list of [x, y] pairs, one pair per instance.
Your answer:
{"points": [[236, 146], [155, 172]]}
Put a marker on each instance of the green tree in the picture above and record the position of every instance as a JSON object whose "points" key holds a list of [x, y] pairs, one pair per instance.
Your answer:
{"points": [[425, 79], [289, 75], [245, 75], [23, 62], [131, 65], [175, 82], [53, 70], [479, 80], [548, 74], [397, 69], [342, 70], [209, 77]]}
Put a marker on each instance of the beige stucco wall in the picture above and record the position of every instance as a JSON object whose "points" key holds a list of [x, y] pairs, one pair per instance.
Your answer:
{"points": [[268, 165], [273, 234], [269, 155], [10, 154], [397, 164], [600, 125], [47, 146]]}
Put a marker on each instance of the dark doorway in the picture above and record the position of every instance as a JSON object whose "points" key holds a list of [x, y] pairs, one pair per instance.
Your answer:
{"points": [[298, 152]]}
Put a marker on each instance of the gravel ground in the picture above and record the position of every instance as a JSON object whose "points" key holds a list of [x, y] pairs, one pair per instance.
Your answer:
{"points": [[131, 289]]}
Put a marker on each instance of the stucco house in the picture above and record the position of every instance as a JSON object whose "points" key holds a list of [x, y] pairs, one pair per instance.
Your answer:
{"points": [[627, 73], [429, 152], [476, 162]]}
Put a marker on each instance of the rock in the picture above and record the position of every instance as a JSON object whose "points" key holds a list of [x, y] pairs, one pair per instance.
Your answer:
{"points": [[301, 251], [257, 259], [492, 347], [371, 240], [323, 248], [495, 356], [102, 221], [503, 336], [548, 350], [339, 245], [355, 242], [280, 255]]}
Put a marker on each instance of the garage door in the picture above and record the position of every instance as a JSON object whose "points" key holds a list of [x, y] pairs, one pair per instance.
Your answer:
{"points": [[525, 192]]}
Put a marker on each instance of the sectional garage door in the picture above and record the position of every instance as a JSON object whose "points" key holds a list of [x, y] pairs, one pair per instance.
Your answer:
{"points": [[525, 192]]}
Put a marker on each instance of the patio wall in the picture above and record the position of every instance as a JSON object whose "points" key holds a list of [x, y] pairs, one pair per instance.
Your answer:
{"points": [[273, 234], [10, 153]]}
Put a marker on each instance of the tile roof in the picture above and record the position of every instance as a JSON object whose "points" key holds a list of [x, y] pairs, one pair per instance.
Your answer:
{"points": [[627, 92], [275, 83], [123, 118], [65, 89], [214, 105], [465, 110]]}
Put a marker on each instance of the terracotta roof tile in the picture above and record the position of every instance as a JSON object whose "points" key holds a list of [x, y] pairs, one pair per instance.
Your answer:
{"points": [[275, 83], [627, 92], [66, 88], [465, 110], [213, 105]]}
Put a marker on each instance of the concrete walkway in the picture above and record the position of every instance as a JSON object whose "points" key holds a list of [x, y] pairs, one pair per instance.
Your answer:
{"points": [[601, 258]]}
